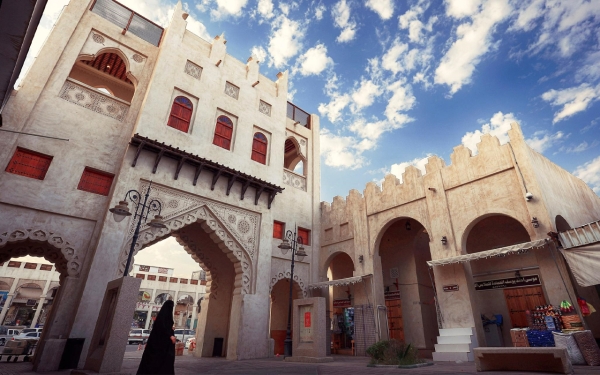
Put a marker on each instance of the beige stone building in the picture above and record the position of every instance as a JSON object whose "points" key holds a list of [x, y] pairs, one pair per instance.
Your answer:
{"points": [[114, 102]]}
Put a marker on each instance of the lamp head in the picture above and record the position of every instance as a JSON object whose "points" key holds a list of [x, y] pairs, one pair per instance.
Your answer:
{"points": [[156, 224], [528, 196], [284, 246], [120, 211], [300, 253]]}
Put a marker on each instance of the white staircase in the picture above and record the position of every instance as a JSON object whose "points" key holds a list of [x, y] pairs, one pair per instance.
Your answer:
{"points": [[455, 344]]}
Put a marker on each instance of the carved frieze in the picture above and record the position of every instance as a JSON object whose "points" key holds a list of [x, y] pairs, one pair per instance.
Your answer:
{"points": [[294, 180], [93, 100], [193, 69], [232, 90], [286, 275], [264, 107]]}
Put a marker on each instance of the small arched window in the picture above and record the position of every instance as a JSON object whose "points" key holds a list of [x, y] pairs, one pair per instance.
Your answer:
{"points": [[181, 114], [223, 132], [259, 148]]}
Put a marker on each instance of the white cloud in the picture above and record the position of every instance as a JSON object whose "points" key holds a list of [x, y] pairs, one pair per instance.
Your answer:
{"points": [[384, 8], [462, 8], [285, 41], [590, 174], [572, 100], [168, 253], [498, 126], [542, 140], [228, 8], [340, 152], [402, 100], [580, 147], [319, 10], [265, 8], [474, 40], [333, 109], [341, 18], [197, 28], [410, 20], [391, 59], [398, 169], [528, 13], [314, 60], [259, 52], [364, 95]]}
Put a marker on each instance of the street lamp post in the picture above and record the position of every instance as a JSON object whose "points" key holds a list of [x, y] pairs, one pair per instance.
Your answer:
{"points": [[291, 242], [142, 210]]}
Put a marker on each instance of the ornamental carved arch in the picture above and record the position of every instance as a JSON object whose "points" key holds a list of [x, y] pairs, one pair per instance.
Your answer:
{"points": [[211, 223], [286, 275], [49, 245]]}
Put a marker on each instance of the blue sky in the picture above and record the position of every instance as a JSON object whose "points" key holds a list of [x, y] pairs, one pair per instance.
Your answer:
{"points": [[394, 82]]}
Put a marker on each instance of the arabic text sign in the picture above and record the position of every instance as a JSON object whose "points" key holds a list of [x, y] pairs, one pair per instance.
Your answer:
{"points": [[510, 282]]}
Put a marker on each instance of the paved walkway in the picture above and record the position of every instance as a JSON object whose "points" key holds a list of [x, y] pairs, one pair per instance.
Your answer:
{"points": [[343, 365]]}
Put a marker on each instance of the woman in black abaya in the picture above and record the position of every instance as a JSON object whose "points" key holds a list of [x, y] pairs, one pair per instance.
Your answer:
{"points": [[159, 355]]}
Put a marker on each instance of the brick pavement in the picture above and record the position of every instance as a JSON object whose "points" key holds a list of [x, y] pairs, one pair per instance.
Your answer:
{"points": [[342, 365]]}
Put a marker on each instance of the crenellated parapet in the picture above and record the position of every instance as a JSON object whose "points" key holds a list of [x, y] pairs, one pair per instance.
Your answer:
{"points": [[337, 217]]}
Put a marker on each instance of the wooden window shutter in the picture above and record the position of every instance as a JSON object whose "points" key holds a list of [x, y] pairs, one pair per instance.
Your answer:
{"points": [[223, 132], [96, 182], [305, 234], [278, 229], [259, 148], [29, 164], [181, 114]]}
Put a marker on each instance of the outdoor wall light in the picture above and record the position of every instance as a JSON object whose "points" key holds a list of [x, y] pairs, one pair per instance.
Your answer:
{"points": [[407, 226], [535, 222], [444, 240], [360, 259]]}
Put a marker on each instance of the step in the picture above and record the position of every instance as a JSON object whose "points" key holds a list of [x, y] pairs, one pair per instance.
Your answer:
{"points": [[446, 348], [452, 357], [463, 339], [470, 331]]}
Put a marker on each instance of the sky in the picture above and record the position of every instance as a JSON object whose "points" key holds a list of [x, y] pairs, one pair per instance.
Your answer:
{"points": [[397, 81]]}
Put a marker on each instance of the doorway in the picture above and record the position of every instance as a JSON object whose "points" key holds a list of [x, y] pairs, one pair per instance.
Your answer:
{"points": [[519, 300], [395, 322]]}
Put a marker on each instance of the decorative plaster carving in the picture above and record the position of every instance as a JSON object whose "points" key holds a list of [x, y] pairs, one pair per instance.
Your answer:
{"points": [[264, 107], [52, 246], [244, 225], [98, 38], [137, 58], [193, 69], [232, 90], [292, 179], [286, 275], [302, 142], [93, 100]]}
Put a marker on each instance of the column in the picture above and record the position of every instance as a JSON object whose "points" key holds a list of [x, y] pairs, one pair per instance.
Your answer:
{"points": [[9, 298], [40, 303], [194, 314]]}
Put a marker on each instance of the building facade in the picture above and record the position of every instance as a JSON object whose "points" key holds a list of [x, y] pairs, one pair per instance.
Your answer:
{"points": [[114, 102]]}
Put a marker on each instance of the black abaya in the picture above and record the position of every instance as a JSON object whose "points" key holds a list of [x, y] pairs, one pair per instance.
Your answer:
{"points": [[159, 355]]}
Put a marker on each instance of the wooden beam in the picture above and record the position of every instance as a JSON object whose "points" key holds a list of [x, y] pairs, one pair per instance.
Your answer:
{"points": [[197, 173], [179, 166], [137, 153], [215, 178], [232, 179], [258, 193], [244, 188], [272, 194], [158, 157]]}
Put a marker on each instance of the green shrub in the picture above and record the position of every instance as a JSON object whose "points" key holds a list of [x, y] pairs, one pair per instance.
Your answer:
{"points": [[393, 352]]}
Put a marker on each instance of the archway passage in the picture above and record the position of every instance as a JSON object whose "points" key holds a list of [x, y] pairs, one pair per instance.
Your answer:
{"points": [[408, 289], [491, 232], [341, 305], [293, 159], [280, 294]]}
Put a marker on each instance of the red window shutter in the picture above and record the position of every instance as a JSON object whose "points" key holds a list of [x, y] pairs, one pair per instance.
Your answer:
{"points": [[95, 181], [223, 132], [305, 234], [181, 114], [29, 164], [278, 230], [259, 148]]}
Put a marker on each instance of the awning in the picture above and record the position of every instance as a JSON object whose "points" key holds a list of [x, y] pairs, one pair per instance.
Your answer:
{"points": [[503, 251], [339, 282], [584, 263]]}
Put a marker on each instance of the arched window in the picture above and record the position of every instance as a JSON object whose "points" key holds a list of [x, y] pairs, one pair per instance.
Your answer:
{"points": [[223, 132], [259, 148], [181, 114]]}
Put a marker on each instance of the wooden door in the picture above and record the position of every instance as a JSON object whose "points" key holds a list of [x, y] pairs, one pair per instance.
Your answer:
{"points": [[520, 299], [394, 315]]}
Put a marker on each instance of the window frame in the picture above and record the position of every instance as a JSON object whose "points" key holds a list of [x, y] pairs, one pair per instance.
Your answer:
{"points": [[279, 223], [17, 156], [176, 124], [94, 171], [256, 153], [305, 241], [218, 137]]}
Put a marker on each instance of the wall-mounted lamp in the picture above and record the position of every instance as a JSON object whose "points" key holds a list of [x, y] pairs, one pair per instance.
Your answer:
{"points": [[517, 273], [444, 240], [360, 259], [535, 222], [407, 226]]}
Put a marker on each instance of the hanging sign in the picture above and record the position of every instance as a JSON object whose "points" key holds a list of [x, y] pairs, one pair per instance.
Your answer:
{"points": [[341, 303], [390, 296], [451, 288], [510, 282]]}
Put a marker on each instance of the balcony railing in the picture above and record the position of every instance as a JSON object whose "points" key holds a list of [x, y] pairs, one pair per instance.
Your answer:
{"points": [[298, 115], [294, 180], [127, 19]]}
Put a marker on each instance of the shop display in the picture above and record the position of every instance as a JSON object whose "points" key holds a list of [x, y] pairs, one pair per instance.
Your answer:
{"points": [[538, 338], [566, 307], [567, 341], [588, 347], [545, 317]]}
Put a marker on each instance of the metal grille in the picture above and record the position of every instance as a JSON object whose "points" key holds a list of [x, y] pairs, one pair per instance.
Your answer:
{"points": [[114, 12], [145, 30], [365, 333], [394, 273]]}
